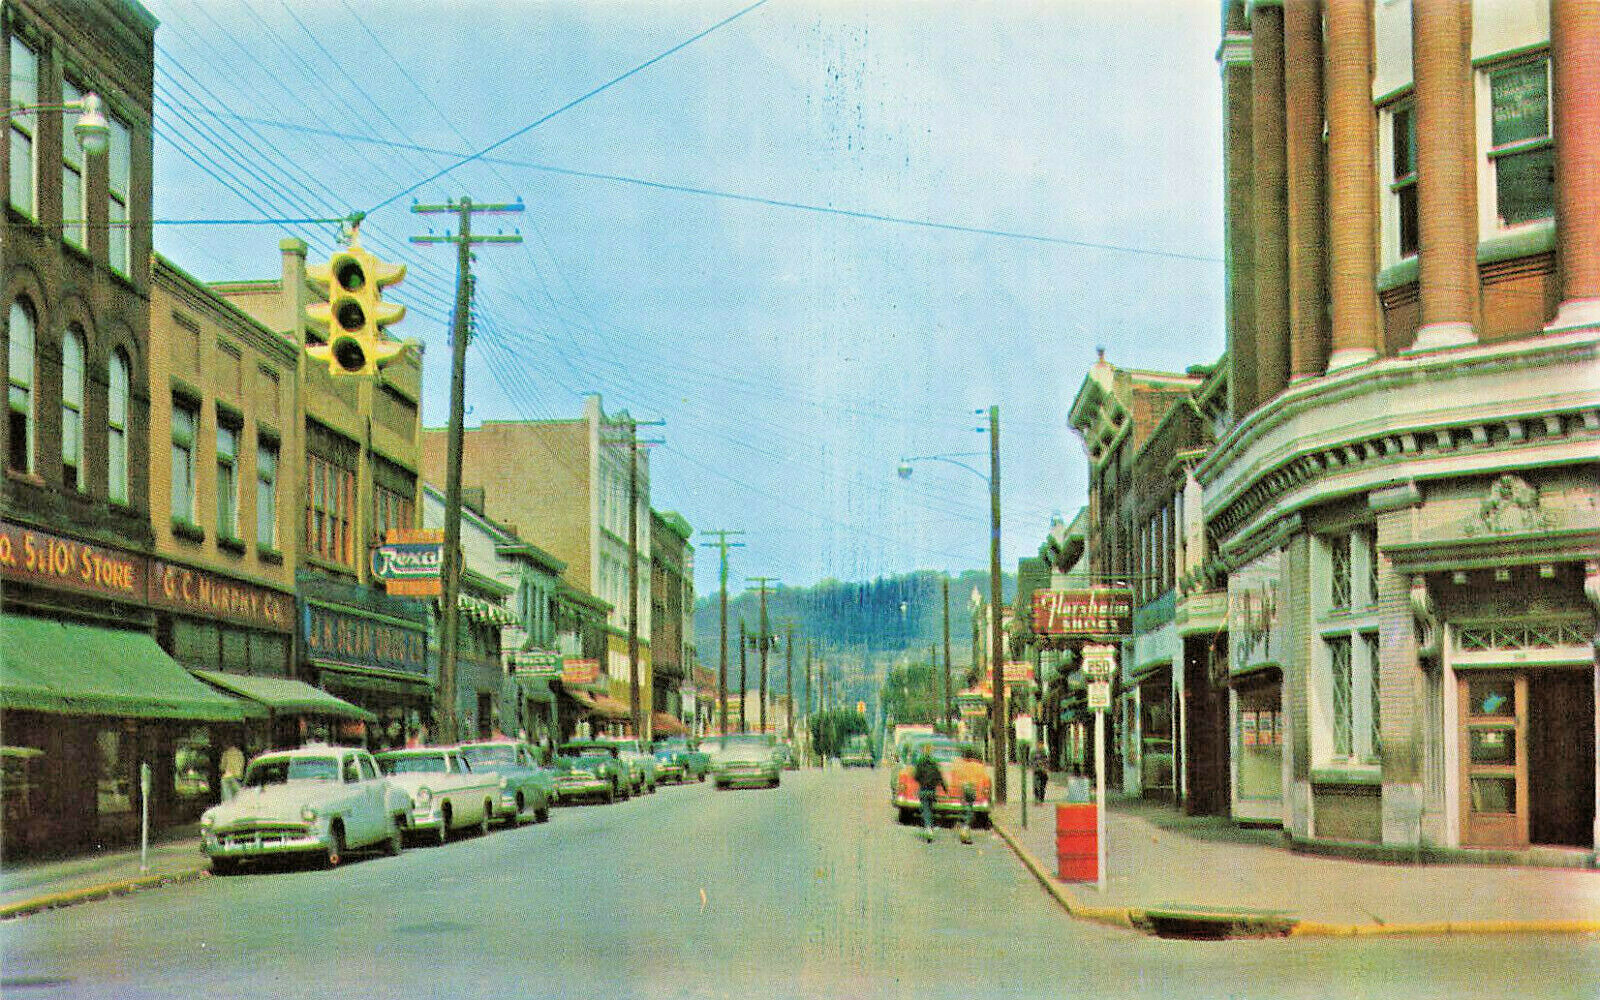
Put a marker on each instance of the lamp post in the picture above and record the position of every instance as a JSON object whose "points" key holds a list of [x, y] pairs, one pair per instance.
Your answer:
{"points": [[997, 717], [91, 130]]}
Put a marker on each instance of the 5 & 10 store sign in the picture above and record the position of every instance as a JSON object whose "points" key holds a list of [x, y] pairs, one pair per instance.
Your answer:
{"points": [[40, 557]]}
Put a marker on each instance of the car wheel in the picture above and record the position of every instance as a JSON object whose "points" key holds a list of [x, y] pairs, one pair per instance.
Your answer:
{"points": [[907, 816], [483, 824], [611, 795], [542, 814], [392, 844], [775, 780], [224, 866], [444, 826], [336, 849]]}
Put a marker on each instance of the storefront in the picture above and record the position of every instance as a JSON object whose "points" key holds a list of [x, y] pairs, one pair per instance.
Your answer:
{"points": [[371, 650], [1256, 631]]}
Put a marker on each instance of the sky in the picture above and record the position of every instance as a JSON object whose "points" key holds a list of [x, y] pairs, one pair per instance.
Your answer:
{"points": [[813, 238]]}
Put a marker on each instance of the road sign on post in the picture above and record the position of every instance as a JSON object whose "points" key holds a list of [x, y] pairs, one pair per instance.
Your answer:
{"points": [[1100, 666]]}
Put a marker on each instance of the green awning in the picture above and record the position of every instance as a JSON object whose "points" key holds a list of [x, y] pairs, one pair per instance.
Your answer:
{"points": [[283, 696], [51, 666]]}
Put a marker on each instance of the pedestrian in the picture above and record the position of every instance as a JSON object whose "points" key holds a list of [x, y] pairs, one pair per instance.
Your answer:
{"points": [[1041, 772], [232, 766], [929, 780]]}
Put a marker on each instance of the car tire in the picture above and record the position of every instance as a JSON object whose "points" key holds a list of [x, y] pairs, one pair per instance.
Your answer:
{"points": [[906, 816], [393, 843], [443, 836], [335, 854], [224, 866], [515, 819], [482, 829], [542, 814]]}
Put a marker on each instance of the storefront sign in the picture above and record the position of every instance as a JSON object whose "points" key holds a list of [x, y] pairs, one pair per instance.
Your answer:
{"points": [[544, 663], [580, 671], [1255, 627], [1017, 672], [348, 638], [409, 562], [1093, 612], [41, 557], [208, 595]]}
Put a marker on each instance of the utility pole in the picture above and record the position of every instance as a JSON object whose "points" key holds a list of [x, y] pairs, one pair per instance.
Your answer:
{"points": [[765, 640], [949, 709], [743, 684], [788, 677], [996, 602], [636, 712], [445, 708], [723, 544]]}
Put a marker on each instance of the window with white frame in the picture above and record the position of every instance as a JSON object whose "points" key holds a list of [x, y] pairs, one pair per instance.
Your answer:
{"points": [[1517, 165], [24, 93], [227, 481], [74, 208], [267, 495], [1398, 156], [72, 408], [1345, 688], [119, 181], [185, 422], [119, 377], [19, 393]]}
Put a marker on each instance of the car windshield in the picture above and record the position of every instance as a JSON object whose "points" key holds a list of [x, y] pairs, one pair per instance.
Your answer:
{"points": [[433, 763], [477, 756], [281, 770]]}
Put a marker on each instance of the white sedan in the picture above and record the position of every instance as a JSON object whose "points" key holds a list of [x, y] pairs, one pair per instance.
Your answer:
{"points": [[446, 794]]}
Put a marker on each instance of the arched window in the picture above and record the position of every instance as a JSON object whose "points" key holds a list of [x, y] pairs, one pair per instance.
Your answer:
{"points": [[72, 408], [19, 396], [117, 428]]}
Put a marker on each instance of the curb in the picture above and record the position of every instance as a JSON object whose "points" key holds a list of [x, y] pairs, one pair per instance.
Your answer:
{"points": [[72, 897], [1150, 922]]}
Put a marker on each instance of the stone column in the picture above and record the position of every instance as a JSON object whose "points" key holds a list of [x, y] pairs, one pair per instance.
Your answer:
{"points": [[1238, 221], [1447, 190], [1352, 183], [1303, 157], [1575, 86], [1270, 201]]}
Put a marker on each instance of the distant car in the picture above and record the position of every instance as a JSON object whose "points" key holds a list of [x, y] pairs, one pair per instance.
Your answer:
{"points": [[319, 800], [960, 765], [446, 794], [524, 785], [857, 753], [588, 769], [744, 759], [640, 764], [696, 762], [671, 765]]}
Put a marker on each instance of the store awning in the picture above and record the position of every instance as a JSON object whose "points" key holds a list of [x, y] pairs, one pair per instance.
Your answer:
{"points": [[663, 724], [605, 706], [52, 666], [282, 696], [361, 679]]}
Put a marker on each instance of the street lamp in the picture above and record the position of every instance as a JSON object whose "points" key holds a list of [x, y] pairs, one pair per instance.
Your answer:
{"points": [[91, 130], [997, 716]]}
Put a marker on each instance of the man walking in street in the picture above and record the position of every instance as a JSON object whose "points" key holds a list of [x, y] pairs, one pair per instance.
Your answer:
{"points": [[929, 780]]}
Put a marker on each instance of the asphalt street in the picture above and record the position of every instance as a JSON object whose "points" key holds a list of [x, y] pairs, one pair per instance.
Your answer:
{"points": [[808, 890]]}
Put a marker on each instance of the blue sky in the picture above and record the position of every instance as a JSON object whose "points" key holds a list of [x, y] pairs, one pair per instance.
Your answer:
{"points": [[812, 240]]}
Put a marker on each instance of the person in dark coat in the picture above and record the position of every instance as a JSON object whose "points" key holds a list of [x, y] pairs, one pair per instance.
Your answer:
{"points": [[929, 780]]}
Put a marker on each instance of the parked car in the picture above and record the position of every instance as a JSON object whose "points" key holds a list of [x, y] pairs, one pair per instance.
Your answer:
{"points": [[318, 800], [696, 762], [960, 764], [670, 764], [640, 764], [525, 786], [446, 794], [589, 769], [744, 759], [857, 753]]}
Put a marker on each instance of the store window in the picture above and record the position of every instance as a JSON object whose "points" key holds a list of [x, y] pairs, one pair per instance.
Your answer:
{"points": [[1345, 691], [1519, 156], [19, 394], [118, 382], [185, 421], [24, 93], [1261, 736], [74, 206], [72, 408]]}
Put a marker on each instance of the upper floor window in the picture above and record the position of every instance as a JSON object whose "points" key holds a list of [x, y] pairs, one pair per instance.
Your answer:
{"points": [[267, 495], [119, 172], [1339, 571], [391, 511], [74, 207], [185, 421], [330, 509], [24, 93], [227, 481], [118, 383], [1401, 238], [19, 394], [1518, 163], [72, 408]]}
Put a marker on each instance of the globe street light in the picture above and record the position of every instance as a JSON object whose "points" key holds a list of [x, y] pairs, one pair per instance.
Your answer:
{"points": [[91, 130], [997, 716]]}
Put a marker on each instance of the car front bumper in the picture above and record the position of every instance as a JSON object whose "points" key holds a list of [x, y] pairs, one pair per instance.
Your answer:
{"points": [[944, 806], [262, 843], [765, 777], [581, 787]]}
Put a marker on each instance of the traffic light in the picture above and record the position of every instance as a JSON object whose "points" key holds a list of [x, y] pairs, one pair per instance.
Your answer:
{"points": [[355, 314]]}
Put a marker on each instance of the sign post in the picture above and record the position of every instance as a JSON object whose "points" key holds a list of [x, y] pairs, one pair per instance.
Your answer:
{"points": [[1100, 665]]}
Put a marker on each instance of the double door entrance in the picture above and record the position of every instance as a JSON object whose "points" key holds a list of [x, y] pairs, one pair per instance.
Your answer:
{"points": [[1527, 753]]}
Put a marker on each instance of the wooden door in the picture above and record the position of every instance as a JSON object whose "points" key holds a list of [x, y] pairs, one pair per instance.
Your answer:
{"points": [[1494, 759]]}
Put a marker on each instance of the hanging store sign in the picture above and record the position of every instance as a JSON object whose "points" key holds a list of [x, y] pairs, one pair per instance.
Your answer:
{"points": [[1094, 612], [545, 663], [1256, 630], [40, 557], [1017, 672], [580, 671], [410, 562]]}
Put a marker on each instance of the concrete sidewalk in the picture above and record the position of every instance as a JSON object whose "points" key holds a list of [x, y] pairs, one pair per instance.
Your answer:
{"points": [[31, 886], [1204, 876]]}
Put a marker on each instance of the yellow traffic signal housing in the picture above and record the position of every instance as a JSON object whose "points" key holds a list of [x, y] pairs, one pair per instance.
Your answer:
{"points": [[355, 314]]}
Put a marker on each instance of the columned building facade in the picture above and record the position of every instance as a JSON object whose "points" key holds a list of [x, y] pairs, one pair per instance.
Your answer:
{"points": [[1404, 508]]}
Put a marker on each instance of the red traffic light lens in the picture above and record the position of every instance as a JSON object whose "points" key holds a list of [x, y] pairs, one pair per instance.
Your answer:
{"points": [[349, 354]]}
